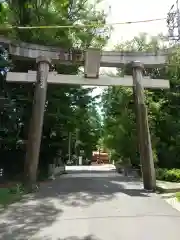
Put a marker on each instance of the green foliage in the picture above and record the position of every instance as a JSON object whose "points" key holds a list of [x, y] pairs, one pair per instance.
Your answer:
{"points": [[119, 123], [10, 195], [170, 175], [69, 109], [120, 135], [59, 13], [178, 196]]}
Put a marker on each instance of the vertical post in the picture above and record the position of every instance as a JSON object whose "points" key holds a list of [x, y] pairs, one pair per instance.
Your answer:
{"points": [[36, 123], [69, 147], [138, 130], [145, 147], [99, 155], [77, 146]]}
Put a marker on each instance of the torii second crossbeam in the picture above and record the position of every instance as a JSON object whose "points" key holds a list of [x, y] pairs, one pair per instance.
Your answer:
{"points": [[54, 78]]}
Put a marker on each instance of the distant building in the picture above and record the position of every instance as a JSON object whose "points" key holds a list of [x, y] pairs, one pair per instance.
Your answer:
{"points": [[100, 158]]}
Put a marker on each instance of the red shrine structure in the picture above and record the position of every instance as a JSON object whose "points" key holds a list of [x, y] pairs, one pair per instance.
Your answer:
{"points": [[100, 158]]}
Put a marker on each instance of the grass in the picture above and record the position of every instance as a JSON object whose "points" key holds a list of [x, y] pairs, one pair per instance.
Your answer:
{"points": [[10, 195], [178, 196]]}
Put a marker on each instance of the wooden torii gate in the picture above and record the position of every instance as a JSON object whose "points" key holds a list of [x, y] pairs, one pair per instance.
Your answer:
{"points": [[92, 59]]}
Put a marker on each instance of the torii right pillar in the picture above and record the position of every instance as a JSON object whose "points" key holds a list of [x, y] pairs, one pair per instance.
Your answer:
{"points": [[144, 138]]}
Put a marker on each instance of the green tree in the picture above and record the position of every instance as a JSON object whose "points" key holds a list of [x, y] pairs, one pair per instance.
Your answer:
{"points": [[119, 123], [163, 109], [68, 107]]}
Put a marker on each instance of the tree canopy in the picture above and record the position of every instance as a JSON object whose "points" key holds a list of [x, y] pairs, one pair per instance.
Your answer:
{"points": [[120, 135], [69, 109]]}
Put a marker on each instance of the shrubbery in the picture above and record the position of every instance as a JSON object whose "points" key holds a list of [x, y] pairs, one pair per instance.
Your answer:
{"points": [[171, 175], [178, 196]]}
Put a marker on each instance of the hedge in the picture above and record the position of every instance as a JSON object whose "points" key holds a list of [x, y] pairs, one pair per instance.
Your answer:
{"points": [[170, 175], [178, 196]]}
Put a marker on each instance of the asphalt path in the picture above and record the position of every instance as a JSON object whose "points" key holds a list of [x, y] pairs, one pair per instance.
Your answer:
{"points": [[91, 203]]}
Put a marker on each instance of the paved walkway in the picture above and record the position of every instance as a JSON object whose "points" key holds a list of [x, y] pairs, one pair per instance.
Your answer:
{"points": [[168, 187], [91, 203]]}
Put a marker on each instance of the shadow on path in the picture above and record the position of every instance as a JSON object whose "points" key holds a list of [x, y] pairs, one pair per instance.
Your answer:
{"points": [[24, 219], [84, 191], [88, 237]]}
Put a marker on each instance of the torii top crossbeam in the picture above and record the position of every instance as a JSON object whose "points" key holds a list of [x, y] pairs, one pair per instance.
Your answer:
{"points": [[22, 51]]}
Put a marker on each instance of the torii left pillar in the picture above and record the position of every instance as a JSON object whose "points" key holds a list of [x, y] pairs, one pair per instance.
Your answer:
{"points": [[36, 123]]}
